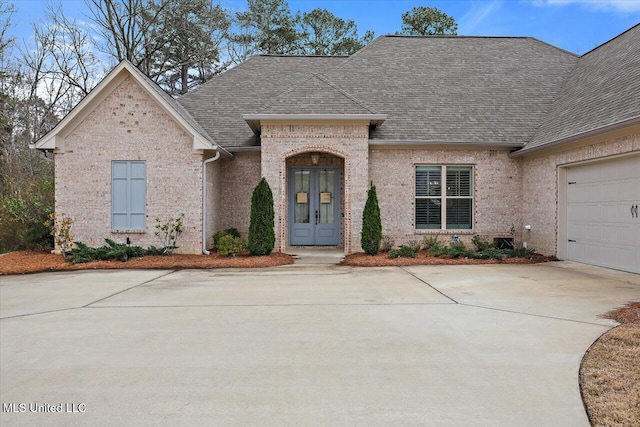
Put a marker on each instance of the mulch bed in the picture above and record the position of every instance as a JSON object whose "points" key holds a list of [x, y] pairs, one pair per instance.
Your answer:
{"points": [[383, 260], [630, 313], [22, 262], [610, 372]]}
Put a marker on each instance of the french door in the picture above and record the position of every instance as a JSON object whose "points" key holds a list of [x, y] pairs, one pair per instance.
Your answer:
{"points": [[314, 206]]}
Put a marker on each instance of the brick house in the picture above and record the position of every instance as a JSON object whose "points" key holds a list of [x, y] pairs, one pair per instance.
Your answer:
{"points": [[497, 136]]}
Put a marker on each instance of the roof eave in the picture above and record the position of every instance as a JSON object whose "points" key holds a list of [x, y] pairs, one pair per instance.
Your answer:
{"points": [[254, 120], [54, 138], [578, 136], [442, 143]]}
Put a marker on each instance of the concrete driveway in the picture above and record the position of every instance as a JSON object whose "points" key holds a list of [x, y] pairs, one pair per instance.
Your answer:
{"points": [[303, 345]]}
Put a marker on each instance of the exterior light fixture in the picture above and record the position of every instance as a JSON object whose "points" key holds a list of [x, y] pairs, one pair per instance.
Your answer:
{"points": [[315, 158]]}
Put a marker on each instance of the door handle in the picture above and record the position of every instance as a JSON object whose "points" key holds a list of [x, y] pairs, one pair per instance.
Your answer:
{"points": [[316, 217], [632, 211], [636, 211]]}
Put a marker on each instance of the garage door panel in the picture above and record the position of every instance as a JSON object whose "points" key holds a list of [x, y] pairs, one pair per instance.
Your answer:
{"points": [[601, 227]]}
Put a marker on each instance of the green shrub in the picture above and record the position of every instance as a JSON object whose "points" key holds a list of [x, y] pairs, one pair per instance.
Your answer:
{"points": [[458, 250], [262, 237], [518, 252], [415, 245], [371, 234], [22, 217], [83, 253], [481, 243], [231, 246], [431, 241], [403, 251], [233, 232], [386, 243]]}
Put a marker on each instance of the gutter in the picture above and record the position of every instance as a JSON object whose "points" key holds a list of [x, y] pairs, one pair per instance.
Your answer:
{"points": [[204, 201]]}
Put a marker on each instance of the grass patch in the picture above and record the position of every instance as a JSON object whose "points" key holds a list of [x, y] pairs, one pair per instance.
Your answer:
{"points": [[610, 372]]}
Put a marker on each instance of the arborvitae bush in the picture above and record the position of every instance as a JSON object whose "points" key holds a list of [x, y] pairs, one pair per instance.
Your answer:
{"points": [[371, 224], [262, 238]]}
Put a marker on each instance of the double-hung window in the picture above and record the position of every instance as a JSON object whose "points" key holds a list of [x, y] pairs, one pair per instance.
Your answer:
{"points": [[444, 197], [128, 195]]}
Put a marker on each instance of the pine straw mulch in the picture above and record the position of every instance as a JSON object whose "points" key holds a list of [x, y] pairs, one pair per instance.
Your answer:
{"points": [[610, 372], [22, 262], [382, 260]]}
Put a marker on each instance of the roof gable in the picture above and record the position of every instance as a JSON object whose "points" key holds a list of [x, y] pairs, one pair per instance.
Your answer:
{"points": [[53, 139], [602, 93]]}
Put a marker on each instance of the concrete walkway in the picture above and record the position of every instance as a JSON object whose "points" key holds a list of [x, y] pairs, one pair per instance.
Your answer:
{"points": [[316, 256], [303, 345]]}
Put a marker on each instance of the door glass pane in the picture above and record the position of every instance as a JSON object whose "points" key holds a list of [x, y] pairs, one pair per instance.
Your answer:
{"points": [[326, 185], [301, 197]]}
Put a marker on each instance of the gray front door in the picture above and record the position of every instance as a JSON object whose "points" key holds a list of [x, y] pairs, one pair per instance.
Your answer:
{"points": [[314, 206]]}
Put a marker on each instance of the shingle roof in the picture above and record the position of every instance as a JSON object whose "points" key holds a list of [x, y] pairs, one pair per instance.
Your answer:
{"points": [[457, 89], [602, 90], [219, 104], [433, 89], [315, 95]]}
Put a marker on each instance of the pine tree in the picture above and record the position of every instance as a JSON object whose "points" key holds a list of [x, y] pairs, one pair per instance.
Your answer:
{"points": [[371, 224], [262, 237]]}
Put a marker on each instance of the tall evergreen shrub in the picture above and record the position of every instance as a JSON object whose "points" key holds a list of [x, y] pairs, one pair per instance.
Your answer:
{"points": [[262, 236], [371, 224]]}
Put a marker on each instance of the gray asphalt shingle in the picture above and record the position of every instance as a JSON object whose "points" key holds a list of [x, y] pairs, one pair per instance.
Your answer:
{"points": [[503, 90], [603, 89]]}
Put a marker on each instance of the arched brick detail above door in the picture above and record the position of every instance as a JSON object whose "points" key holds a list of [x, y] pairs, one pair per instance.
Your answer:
{"points": [[347, 141]]}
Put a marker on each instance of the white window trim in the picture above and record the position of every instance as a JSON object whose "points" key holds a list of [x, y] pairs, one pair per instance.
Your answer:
{"points": [[443, 198]]}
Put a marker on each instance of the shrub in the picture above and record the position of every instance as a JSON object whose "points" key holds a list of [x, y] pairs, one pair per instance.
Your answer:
{"points": [[233, 232], [481, 243], [431, 241], [518, 252], [119, 251], [168, 232], [414, 244], [262, 238], [23, 214], [457, 250], [229, 245], [371, 234], [386, 243], [403, 251]]}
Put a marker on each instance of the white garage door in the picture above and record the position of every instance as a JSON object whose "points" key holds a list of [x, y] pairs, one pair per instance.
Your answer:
{"points": [[603, 227]]}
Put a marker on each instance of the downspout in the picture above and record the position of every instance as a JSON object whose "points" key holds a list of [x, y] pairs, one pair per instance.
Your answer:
{"points": [[204, 201]]}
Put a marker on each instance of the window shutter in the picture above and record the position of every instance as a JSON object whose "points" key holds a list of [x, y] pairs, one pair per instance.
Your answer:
{"points": [[128, 195]]}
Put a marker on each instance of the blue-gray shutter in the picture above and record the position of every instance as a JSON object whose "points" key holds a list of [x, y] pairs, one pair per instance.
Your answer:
{"points": [[128, 195]]}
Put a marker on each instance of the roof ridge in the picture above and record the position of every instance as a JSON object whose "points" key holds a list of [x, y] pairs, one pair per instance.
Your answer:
{"points": [[310, 77], [345, 93]]}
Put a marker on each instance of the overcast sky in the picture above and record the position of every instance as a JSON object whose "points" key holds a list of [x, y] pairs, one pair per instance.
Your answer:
{"points": [[575, 25]]}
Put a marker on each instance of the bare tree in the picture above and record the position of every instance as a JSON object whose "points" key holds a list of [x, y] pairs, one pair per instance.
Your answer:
{"points": [[127, 28]]}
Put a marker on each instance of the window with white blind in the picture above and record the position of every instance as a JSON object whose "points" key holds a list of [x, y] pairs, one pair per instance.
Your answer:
{"points": [[128, 195], [444, 197]]}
